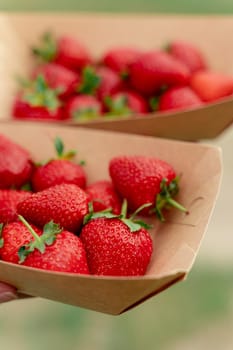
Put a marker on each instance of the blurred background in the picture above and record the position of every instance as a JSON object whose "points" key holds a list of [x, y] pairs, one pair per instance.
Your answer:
{"points": [[195, 314]]}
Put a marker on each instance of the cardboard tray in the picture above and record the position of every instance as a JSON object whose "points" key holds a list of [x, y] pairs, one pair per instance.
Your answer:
{"points": [[176, 242], [102, 31]]}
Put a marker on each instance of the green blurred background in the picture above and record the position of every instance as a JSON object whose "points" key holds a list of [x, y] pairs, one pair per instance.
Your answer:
{"points": [[195, 314]]}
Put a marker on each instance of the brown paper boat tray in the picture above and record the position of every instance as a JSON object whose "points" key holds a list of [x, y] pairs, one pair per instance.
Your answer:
{"points": [[176, 242], [101, 31]]}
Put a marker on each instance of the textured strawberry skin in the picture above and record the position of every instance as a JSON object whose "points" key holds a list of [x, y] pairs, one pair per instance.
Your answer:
{"points": [[120, 58], [134, 101], [58, 77], [9, 200], [66, 254], [23, 110], [138, 178], [113, 250], [15, 235], [56, 172], [81, 103], [65, 204], [211, 86], [179, 98], [104, 196], [190, 55], [155, 69], [72, 54], [15, 164]]}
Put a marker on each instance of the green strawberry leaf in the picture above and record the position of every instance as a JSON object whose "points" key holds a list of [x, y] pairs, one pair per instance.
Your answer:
{"points": [[1, 239], [133, 226], [50, 232], [118, 106], [90, 81], [26, 187], [59, 146], [47, 51]]}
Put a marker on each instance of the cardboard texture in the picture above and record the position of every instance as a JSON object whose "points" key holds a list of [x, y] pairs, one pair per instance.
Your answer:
{"points": [[103, 31], [176, 242]]}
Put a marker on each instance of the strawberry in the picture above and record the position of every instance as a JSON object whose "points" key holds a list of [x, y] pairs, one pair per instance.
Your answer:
{"points": [[15, 164], [59, 171], [179, 98], [83, 108], [53, 249], [142, 180], [38, 102], [125, 103], [116, 246], [103, 195], [188, 54], [13, 236], [154, 69], [9, 200], [100, 81], [65, 204], [58, 77], [119, 59], [66, 50], [211, 86]]}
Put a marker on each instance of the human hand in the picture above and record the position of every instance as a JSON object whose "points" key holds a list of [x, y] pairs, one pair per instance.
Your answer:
{"points": [[7, 293]]}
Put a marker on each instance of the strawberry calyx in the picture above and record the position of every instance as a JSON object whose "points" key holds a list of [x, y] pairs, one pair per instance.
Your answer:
{"points": [[154, 103], [118, 106], [164, 200], [1, 238], [60, 149], [48, 49], [87, 113], [131, 223], [48, 237], [90, 81], [38, 94]]}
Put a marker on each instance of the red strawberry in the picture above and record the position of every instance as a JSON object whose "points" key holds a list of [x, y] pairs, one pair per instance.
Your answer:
{"points": [[53, 249], [104, 196], [9, 200], [100, 81], [211, 86], [142, 180], [179, 98], [65, 204], [58, 77], [116, 246], [15, 164], [13, 236], [126, 102], [66, 50], [59, 171], [38, 102], [83, 107], [188, 54], [154, 69], [120, 58]]}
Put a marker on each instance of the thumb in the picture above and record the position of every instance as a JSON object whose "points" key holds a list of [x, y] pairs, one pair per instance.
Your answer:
{"points": [[7, 292]]}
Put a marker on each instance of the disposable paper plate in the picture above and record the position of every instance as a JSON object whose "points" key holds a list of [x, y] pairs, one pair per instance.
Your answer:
{"points": [[18, 32], [176, 242]]}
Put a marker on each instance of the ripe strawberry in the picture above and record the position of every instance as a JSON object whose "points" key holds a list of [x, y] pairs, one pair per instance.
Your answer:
{"points": [[9, 200], [66, 50], [15, 164], [38, 102], [179, 98], [58, 77], [116, 246], [125, 103], [59, 171], [120, 58], [188, 54], [103, 195], [211, 86], [142, 180], [83, 108], [13, 236], [65, 204], [154, 69], [53, 249], [100, 81]]}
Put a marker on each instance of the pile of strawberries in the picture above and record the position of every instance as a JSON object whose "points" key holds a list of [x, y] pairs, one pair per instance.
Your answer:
{"points": [[53, 219], [68, 83]]}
